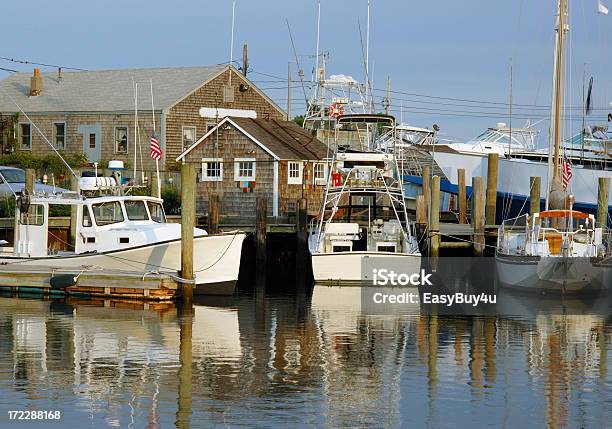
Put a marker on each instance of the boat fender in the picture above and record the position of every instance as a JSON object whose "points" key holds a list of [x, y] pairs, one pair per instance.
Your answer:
{"points": [[63, 281]]}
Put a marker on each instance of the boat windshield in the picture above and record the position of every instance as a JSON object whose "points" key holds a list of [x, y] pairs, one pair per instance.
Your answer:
{"points": [[136, 210], [107, 213], [157, 212]]}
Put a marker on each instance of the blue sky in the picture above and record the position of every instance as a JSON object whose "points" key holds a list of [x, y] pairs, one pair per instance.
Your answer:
{"points": [[454, 50]]}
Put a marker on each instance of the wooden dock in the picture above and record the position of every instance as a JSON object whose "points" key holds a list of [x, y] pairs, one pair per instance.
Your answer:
{"points": [[151, 287]]}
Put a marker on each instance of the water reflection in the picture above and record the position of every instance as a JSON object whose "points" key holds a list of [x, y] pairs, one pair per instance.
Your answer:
{"points": [[279, 360]]}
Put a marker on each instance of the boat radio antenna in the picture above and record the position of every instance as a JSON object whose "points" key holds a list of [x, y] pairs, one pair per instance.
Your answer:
{"points": [[42, 135]]}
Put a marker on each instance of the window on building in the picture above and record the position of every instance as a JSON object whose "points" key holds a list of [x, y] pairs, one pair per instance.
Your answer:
{"points": [[25, 136], [189, 136], [59, 135], [121, 140], [212, 169], [319, 173], [295, 173], [244, 169], [92, 141]]}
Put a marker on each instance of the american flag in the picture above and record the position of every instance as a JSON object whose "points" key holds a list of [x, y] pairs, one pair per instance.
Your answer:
{"points": [[156, 152], [567, 173]]}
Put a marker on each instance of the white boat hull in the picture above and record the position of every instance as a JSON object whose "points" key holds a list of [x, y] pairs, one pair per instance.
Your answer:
{"points": [[514, 175], [556, 274], [346, 267], [216, 261]]}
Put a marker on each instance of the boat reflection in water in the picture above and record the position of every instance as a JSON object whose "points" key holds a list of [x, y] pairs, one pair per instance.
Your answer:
{"points": [[328, 362]]}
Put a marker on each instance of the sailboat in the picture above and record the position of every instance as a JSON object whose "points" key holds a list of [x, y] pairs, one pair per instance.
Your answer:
{"points": [[559, 249]]}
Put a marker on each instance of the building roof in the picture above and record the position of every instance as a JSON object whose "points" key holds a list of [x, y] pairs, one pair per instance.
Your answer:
{"points": [[281, 139], [104, 90]]}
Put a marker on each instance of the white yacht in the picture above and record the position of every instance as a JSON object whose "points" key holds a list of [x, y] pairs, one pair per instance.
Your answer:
{"points": [[119, 234]]}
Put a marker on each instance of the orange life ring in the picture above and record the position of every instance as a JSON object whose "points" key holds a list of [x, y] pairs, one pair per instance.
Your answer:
{"points": [[336, 110]]}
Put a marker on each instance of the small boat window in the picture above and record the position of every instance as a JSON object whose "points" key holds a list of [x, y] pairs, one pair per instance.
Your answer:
{"points": [[86, 218], [34, 216], [136, 210], [157, 212], [107, 213]]}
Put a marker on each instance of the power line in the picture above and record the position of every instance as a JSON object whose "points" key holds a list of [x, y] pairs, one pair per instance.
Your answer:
{"points": [[13, 60], [8, 70]]}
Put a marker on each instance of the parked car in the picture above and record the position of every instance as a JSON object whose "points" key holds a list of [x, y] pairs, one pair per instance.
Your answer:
{"points": [[12, 179]]}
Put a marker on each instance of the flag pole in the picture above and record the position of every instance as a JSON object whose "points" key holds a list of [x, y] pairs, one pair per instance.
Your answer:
{"points": [[156, 161]]}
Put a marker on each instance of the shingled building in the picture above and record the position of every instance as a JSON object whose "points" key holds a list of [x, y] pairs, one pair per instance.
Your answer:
{"points": [[94, 111]]}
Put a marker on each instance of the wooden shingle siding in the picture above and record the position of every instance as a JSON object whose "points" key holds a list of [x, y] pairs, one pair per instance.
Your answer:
{"points": [[187, 111], [107, 123]]}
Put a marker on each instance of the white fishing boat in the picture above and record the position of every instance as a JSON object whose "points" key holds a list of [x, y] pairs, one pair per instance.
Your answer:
{"points": [[363, 223], [559, 249], [122, 235]]}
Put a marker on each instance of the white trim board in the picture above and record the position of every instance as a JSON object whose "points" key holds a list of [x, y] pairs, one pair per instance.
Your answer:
{"points": [[235, 125]]}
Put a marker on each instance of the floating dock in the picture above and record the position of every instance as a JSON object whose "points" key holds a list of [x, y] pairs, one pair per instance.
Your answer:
{"points": [[90, 283]]}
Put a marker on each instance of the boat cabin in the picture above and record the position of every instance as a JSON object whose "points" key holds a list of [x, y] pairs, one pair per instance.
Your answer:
{"points": [[102, 224]]}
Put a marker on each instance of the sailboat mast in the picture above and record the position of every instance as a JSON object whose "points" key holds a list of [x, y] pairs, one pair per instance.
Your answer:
{"points": [[559, 87], [555, 101]]}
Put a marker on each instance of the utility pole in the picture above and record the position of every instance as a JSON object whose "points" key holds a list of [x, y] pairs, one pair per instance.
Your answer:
{"points": [[245, 62]]}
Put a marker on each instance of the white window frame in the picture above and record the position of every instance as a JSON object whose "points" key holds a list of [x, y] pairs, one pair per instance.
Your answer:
{"points": [[295, 180], [127, 134], [21, 124], [204, 177], [195, 135], [237, 176], [63, 147], [319, 180]]}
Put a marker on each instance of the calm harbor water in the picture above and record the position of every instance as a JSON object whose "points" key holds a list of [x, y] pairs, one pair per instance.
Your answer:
{"points": [[323, 361]]}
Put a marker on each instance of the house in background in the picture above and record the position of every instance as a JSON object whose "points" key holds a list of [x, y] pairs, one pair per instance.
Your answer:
{"points": [[242, 158], [93, 112]]}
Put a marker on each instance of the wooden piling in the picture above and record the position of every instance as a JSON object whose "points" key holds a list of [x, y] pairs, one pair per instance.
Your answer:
{"points": [[30, 179], [421, 217], [427, 186], [534, 196], [492, 172], [301, 250], [260, 233], [603, 194], [478, 214], [462, 196], [213, 213], [188, 213], [74, 186], [434, 217]]}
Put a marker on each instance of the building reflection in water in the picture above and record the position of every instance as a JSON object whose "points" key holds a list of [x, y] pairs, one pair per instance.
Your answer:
{"points": [[540, 361]]}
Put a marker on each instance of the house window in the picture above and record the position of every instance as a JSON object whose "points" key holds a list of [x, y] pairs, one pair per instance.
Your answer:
{"points": [[295, 173], [121, 140], [244, 169], [59, 135], [92, 141], [319, 173], [189, 137], [25, 136], [212, 169]]}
